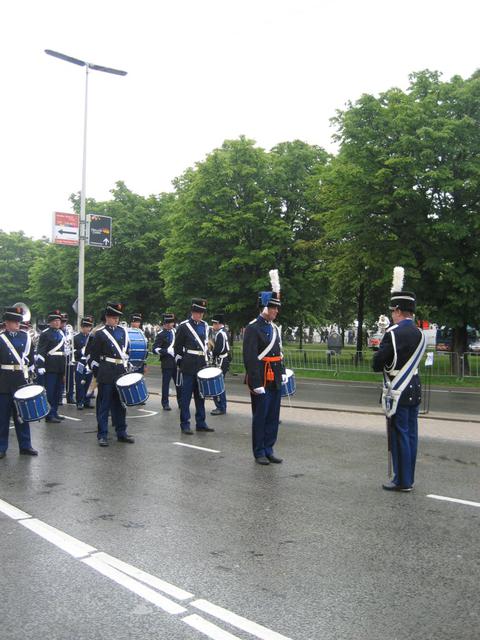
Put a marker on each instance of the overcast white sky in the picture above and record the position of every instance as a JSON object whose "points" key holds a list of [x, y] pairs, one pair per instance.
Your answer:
{"points": [[199, 71]]}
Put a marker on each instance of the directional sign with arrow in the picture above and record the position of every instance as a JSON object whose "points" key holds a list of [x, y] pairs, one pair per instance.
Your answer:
{"points": [[65, 228]]}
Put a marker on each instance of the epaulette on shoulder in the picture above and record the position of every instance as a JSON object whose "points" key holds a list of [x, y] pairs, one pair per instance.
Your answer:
{"points": [[184, 321], [253, 321], [43, 330], [394, 326]]}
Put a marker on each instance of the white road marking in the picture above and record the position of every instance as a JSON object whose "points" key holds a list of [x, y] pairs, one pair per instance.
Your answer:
{"points": [[469, 503], [69, 418], [132, 585], [147, 578], [74, 547], [12, 512], [237, 621], [124, 574], [147, 412], [192, 446], [208, 628]]}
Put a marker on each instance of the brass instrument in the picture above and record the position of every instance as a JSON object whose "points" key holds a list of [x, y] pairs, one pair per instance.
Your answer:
{"points": [[26, 317]]}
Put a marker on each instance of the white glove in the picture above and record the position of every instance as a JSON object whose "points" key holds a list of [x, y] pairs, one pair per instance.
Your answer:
{"points": [[259, 391], [157, 351], [171, 351], [41, 372], [284, 378]]}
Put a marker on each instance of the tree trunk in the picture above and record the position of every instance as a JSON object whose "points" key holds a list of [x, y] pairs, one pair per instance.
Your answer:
{"points": [[459, 348], [300, 328], [360, 316]]}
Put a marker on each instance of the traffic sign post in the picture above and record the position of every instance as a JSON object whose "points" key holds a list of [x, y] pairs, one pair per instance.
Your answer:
{"points": [[99, 231], [65, 228]]}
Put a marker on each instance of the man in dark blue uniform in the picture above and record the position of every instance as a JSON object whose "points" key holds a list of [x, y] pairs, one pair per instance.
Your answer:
{"points": [[265, 371], [191, 346], [136, 321], [108, 357], [163, 346], [220, 355], [16, 359], [51, 361], [83, 373], [400, 343]]}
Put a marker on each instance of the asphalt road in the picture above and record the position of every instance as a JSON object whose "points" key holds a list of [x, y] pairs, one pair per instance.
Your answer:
{"points": [[311, 549]]}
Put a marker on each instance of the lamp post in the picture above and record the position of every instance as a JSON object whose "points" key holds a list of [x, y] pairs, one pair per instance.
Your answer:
{"points": [[83, 220]]}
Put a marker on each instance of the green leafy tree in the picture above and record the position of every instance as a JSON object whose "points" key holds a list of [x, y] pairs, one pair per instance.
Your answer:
{"points": [[18, 253]]}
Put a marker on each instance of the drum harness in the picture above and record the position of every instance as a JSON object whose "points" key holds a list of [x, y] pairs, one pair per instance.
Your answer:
{"points": [[203, 352], [21, 366], [122, 352]]}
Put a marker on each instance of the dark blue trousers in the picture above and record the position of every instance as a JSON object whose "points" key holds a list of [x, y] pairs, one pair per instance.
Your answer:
{"points": [[167, 375], [81, 389], [404, 444], [7, 410], [265, 418], [53, 386], [221, 401], [108, 401], [189, 386]]}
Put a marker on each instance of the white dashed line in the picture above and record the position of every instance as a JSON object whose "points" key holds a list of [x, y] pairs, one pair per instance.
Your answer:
{"points": [[141, 583], [192, 446], [237, 621], [208, 628], [469, 503]]}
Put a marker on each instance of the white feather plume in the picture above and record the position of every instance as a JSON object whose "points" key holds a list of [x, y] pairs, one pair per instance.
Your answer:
{"points": [[274, 280], [397, 283]]}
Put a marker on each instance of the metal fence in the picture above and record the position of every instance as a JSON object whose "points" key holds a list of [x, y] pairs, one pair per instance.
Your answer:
{"points": [[445, 364]]}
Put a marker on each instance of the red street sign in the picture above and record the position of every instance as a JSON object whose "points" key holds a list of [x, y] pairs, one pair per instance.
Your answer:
{"points": [[65, 228]]}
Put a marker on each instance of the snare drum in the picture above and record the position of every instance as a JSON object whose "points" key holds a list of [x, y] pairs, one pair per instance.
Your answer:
{"points": [[138, 347], [132, 389], [210, 382], [31, 403], [289, 387]]}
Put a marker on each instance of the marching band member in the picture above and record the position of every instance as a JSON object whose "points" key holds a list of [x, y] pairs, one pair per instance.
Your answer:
{"points": [[220, 354], [191, 355], [83, 374], [69, 384], [265, 371], [16, 359], [51, 361], [108, 358], [398, 356], [163, 347]]}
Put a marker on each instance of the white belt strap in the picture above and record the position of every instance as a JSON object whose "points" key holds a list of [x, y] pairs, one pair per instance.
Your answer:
{"points": [[393, 389], [53, 351], [197, 338], [15, 352], [195, 353], [120, 351], [275, 333], [13, 367]]}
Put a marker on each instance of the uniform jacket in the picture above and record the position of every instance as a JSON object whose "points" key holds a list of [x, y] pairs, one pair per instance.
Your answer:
{"points": [[101, 347], [221, 350], [257, 337], [184, 341], [10, 381], [49, 339], [165, 339], [79, 342], [407, 338]]}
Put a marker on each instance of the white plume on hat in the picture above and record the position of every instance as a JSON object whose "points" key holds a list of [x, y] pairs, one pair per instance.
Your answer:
{"points": [[274, 280], [397, 283]]}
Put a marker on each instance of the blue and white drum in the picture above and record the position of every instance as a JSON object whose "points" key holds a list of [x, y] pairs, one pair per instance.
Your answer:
{"points": [[289, 387], [31, 402], [132, 389], [138, 347], [210, 382]]}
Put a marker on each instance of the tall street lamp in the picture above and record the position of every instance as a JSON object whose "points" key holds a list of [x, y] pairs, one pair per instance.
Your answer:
{"points": [[83, 220]]}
